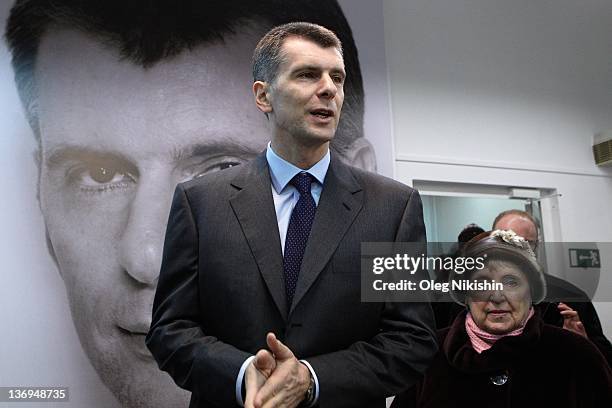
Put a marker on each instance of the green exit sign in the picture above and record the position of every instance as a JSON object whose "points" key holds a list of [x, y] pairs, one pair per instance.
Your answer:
{"points": [[584, 258]]}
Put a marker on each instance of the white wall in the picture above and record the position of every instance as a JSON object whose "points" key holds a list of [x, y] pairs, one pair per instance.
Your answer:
{"points": [[506, 93], [366, 20]]}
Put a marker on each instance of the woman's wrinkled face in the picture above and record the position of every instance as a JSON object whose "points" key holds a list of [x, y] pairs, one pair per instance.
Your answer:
{"points": [[500, 311]]}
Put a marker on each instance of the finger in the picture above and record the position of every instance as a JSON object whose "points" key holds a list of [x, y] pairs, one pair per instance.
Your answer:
{"points": [[563, 306], [569, 313], [281, 352], [248, 399], [571, 326], [276, 384], [265, 362], [271, 389], [252, 384], [578, 328], [574, 325]]}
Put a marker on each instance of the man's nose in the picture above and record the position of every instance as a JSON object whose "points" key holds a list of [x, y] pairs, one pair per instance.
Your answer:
{"points": [[142, 241], [328, 87]]}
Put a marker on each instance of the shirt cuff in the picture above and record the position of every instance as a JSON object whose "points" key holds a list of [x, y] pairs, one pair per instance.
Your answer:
{"points": [[239, 380], [316, 383]]}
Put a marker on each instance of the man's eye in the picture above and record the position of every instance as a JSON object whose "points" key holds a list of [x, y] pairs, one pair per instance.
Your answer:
{"points": [[307, 75], [100, 177], [338, 79], [217, 167], [100, 174], [208, 167]]}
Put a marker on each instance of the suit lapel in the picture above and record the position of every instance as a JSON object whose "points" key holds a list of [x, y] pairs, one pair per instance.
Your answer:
{"points": [[339, 204], [254, 209]]}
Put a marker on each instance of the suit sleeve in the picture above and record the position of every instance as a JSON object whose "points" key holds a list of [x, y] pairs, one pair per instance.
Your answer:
{"points": [[394, 359], [199, 363]]}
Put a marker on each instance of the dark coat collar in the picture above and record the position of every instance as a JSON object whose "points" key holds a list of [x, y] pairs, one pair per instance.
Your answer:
{"points": [[506, 352]]}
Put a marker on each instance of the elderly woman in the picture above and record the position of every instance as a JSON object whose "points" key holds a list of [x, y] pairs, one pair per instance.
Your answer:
{"points": [[499, 353]]}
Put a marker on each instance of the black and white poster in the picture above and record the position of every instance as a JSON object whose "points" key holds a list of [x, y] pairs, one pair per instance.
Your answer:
{"points": [[96, 131]]}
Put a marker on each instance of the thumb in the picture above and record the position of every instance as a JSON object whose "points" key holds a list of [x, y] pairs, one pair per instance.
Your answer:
{"points": [[281, 352]]}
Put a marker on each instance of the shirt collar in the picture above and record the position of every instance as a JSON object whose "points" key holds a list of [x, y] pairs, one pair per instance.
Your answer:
{"points": [[281, 171]]}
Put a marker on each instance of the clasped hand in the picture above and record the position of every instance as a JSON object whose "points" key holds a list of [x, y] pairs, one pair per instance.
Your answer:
{"points": [[275, 377]]}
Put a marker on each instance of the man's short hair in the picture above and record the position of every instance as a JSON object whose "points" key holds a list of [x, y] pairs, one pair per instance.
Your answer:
{"points": [[267, 56], [519, 213], [148, 31]]}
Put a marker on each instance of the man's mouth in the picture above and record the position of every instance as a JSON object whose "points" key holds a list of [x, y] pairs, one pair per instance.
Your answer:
{"points": [[138, 328], [322, 113], [134, 339], [132, 332]]}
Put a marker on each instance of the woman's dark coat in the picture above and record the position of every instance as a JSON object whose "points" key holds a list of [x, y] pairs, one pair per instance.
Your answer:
{"points": [[544, 367]]}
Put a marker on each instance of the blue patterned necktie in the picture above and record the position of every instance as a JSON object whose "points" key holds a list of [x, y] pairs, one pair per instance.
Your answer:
{"points": [[300, 224]]}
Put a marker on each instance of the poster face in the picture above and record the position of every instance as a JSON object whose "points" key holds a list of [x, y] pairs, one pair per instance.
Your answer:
{"points": [[87, 188]]}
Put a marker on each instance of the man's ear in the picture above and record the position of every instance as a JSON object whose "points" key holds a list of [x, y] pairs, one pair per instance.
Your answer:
{"points": [[37, 156], [262, 96], [361, 154]]}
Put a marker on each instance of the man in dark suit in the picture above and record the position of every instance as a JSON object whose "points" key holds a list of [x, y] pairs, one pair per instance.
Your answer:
{"points": [[261, 262]]}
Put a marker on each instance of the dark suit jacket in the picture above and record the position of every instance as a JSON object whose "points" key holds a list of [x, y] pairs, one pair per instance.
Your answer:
{"points": [[221, 288]]}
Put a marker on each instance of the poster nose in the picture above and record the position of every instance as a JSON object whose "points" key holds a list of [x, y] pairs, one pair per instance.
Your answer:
{"points": [[141, 243]]}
